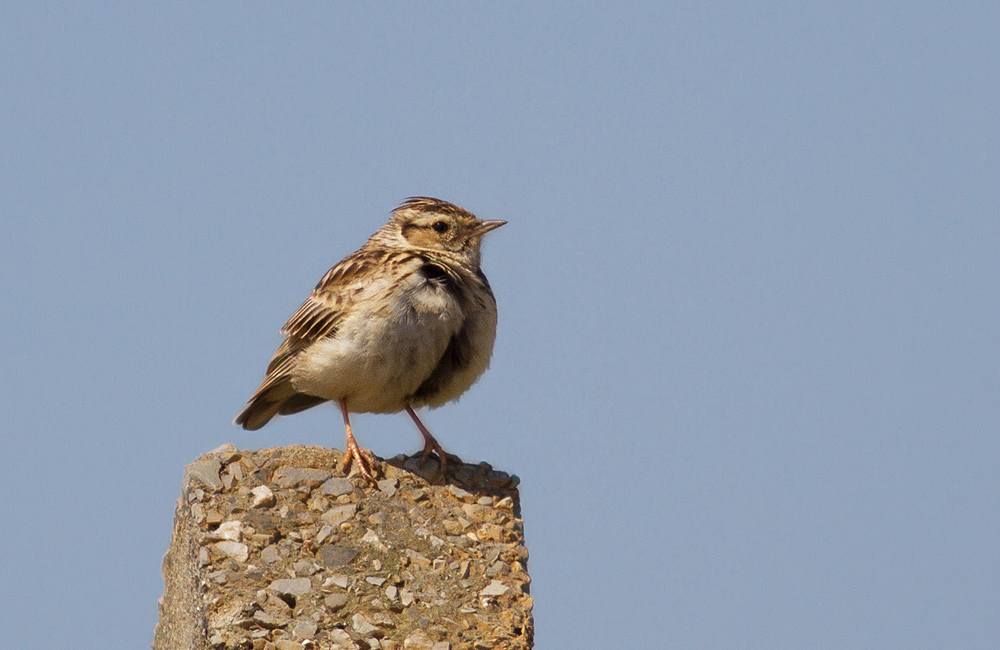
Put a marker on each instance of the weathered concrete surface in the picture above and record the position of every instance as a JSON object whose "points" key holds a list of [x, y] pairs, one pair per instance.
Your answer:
{"points": [[275, 549]]}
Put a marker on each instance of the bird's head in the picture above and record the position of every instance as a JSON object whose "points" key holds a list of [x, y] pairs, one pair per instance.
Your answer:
{"points": [[426, 223]]}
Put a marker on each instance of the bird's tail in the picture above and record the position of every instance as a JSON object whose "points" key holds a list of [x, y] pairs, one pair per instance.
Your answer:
{"points": [[274, 398]]}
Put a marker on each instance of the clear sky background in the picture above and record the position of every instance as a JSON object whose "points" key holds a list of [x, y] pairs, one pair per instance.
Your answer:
{"points": [[747, 362]]}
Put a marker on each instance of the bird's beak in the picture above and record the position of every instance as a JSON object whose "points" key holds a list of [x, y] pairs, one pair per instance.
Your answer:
{"points": [[487, 226]]}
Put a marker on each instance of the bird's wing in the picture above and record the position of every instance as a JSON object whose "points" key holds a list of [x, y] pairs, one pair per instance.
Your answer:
{"points": [[321, 315], [322, 312]]}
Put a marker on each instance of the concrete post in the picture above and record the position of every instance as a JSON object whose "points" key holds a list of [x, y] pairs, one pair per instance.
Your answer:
{"points": [[275, 549]]}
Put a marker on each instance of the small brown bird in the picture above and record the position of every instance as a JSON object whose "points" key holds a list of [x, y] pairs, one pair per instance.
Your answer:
{"points": [[407, 321]]}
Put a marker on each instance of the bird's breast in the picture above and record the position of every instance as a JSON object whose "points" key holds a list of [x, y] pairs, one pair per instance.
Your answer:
{"points": [[384, 348]]}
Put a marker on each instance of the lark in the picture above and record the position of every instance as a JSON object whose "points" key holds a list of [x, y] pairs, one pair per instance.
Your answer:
{"points": [[408, 320]]}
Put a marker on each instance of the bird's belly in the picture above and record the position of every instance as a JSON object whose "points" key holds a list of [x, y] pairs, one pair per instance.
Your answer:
{"points": [[377, 359], [480, 331]]}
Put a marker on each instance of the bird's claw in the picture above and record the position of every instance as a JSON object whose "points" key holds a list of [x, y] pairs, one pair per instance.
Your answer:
{"points": [[434, 450], [363, 459]]}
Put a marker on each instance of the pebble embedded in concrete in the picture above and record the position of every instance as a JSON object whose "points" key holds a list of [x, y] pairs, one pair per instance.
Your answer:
{"points": [[270, 554], [263, 497], [291, 586], [388, 486], [336, 486], [336, 580], [337, 556], [335, 601], [287, 477], [304, 629], [230, 530], [287, 644], [362, 625], [339, 514], [207, 472], [237, 551], [495, 588]]}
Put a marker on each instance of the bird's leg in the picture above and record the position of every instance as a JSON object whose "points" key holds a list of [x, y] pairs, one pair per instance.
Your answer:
{"points": [[354, 452], [431, 445]]}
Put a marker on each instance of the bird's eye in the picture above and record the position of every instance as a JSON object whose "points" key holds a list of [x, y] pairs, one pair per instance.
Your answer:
{"points": [[440, 227]]}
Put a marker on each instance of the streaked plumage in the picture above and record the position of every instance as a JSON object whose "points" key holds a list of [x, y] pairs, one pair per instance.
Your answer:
{"points": [[406, 321]]}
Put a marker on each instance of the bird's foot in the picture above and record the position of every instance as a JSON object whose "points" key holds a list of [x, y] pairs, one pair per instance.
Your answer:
{"points": [[431, 446], [433, 450], [364, 460]]}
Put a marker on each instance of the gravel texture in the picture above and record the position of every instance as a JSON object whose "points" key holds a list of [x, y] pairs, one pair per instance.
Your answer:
{"points": [[274, 549]]}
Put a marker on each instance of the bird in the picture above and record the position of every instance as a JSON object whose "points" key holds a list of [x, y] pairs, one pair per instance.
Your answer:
{"points": [[406, 321]]}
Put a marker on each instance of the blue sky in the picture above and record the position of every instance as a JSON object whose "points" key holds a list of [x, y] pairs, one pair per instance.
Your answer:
{"points": [[748, 348]]}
